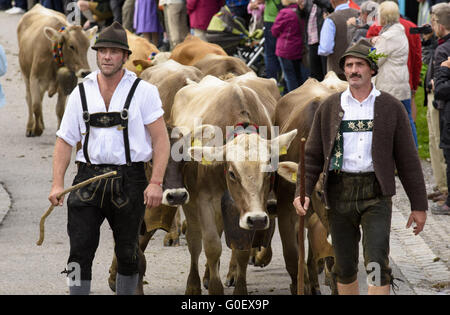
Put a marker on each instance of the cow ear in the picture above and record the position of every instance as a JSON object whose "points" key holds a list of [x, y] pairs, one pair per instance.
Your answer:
{"points": [[141, 65], [207, 155], [52, 34], [91, 32], [288, 170], [282, 142]]}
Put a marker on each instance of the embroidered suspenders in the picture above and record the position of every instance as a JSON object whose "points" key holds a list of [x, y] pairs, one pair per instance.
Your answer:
{"points": [[106, 120], [337, 156]]}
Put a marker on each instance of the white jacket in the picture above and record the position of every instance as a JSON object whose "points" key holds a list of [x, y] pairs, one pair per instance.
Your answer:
{"points": [[393, 74]]}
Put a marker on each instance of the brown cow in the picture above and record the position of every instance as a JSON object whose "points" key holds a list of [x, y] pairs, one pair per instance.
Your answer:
{"points": [[193, 49], [39, 32], [247, 184], [141, 50], [218, 65], [295, 111]]}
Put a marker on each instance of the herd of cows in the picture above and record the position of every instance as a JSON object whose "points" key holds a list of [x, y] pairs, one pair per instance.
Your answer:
{"points": [[232, 187]]}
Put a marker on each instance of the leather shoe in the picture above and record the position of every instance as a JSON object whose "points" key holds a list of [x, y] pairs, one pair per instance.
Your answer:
{"points": [[440, 210]]}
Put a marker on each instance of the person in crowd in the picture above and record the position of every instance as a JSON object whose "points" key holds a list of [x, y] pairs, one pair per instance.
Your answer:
{"points": [[20, 6], [440, 21], [146, 20], [116, 9], [288, 28], [333, 35], [414, 56], [357, 140], [56, 5], [438, 165], [3, 69], [175, 20], [313, 12], [109, 98], [239, 8], [358, 27], [96, 12], [273, 68], [128, 15], [424, 11], [393, 74], [200, 14], [256, 9]]}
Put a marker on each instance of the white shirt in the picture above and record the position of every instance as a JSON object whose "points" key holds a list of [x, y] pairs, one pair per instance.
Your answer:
{"points": [[105, 145], [358, 145]]}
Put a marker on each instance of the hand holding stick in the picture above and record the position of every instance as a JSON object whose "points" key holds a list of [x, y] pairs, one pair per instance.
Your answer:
{"points": [[68, 190]]}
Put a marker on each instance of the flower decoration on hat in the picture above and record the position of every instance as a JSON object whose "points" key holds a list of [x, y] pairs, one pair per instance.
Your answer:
{"points": [[374, 56]]}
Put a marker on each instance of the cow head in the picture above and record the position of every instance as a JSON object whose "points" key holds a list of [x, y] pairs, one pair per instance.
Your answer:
{"points": [[74, 43], [247, 169], [174, 190]]}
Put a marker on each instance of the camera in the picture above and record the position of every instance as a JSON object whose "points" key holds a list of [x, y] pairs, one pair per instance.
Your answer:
{"points": [[426, 29]]}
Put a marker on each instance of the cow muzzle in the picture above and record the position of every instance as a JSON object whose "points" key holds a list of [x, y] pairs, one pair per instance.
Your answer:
{"points": [[254, 221], [175, 197]]}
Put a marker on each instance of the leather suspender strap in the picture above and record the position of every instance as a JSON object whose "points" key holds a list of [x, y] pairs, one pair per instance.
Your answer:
{"points": [[124, 116], [86, 118]]}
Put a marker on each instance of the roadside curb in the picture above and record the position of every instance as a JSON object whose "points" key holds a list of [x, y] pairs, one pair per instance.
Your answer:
{"points": [[5, 202]]}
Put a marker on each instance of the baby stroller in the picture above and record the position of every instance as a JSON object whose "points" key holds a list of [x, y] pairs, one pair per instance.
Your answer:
{"points": [[229, 32]]}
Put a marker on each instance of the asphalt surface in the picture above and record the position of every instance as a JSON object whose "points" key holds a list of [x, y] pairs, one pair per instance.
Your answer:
{"points": [[422, 262]]}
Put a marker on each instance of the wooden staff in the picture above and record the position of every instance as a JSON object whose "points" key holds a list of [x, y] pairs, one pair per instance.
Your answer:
{"points": [[68, 190], [301, 223]]}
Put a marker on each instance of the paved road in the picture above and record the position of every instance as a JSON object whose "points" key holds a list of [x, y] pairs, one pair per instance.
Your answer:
{"points": [[25, 178]]}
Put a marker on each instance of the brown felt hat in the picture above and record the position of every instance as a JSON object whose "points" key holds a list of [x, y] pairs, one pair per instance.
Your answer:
{"points": [[113, 36], [360, 49]]}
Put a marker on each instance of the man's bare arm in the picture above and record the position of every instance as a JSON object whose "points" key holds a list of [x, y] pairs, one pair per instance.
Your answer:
{"points": [[161, 151], [61, 160]]}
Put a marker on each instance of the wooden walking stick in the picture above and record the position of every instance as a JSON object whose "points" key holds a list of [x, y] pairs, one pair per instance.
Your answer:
{"points": [[68, 190], [301, 223]]}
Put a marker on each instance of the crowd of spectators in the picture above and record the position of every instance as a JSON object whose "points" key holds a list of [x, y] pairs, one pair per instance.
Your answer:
{"points": [[306, 38]]}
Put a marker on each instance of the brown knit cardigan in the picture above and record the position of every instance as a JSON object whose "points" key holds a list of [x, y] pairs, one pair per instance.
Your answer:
{"points": [[392, 147]]}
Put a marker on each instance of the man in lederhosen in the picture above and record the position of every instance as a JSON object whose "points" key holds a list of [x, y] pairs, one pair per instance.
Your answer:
{"points": [[119, 121], [357, 140]]}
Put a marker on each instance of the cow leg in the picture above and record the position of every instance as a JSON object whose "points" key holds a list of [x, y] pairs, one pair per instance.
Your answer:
{"points": [[30, 123], [211, 224], [242, 257], [60, 106], [231, 276], [172, 238], [194, 242], [286, 228], [35, 125], [313, 273]]}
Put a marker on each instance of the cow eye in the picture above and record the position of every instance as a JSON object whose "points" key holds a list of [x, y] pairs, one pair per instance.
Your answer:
{"points": [[232, 175], [72, 47]]}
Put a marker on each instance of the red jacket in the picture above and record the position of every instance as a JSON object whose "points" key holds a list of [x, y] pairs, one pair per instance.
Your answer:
{"points": [[415, 50], [201, 11]]}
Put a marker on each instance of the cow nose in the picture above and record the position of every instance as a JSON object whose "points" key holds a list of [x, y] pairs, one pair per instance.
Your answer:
{"points": [[257, 222], [177, 198]]}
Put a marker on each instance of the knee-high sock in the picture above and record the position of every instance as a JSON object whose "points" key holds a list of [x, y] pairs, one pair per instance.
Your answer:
{"points": [[83, 289], [126, 285]]}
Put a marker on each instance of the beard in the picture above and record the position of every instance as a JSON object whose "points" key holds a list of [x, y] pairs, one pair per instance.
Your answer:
{"points": [[110, 71]]}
